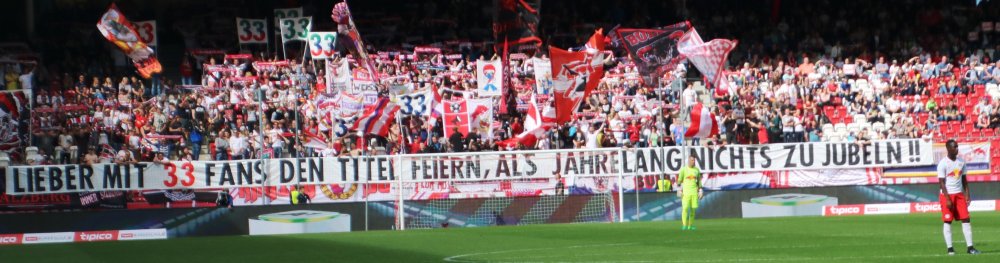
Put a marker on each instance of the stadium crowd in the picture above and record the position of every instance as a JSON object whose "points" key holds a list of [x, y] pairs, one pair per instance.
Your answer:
{"points": [[787, 86]]}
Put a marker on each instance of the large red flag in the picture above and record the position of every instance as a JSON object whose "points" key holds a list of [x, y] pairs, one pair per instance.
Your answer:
{"points": [[576, 74]]}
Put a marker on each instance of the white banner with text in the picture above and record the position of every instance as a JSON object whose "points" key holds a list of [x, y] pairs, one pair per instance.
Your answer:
{"points": [[462, 167]]}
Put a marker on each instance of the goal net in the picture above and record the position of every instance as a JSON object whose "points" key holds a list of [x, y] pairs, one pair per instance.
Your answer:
{"points": [[442, 203]]}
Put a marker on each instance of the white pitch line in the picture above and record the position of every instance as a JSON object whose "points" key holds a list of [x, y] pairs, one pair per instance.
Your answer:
{"points": [[456, 258], [523, 259], [704, 250]]}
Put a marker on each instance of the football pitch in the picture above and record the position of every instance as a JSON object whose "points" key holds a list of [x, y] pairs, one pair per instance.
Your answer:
{"points": [[892, 238]]}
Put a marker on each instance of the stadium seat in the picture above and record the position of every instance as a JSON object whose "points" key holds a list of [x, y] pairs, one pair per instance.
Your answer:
{"points": [[948, 134], [922, 118], [860, 118], [830, 111], [946, 99], [865, 125], [840, 127], [853, 128]]}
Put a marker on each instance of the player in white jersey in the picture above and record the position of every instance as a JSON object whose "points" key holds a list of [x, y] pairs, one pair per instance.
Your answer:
{"points": [[954, 196]]}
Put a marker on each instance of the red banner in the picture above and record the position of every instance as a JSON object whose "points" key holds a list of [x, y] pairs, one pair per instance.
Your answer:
{"points": [[239, 56]]}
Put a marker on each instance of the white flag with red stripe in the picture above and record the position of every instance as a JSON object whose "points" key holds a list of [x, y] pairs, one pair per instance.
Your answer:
{"points": [[378, 119], [703, 123], [315, 142], [709, 57]]}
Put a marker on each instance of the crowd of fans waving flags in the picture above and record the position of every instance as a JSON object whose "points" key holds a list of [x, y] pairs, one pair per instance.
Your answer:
{"points": [[509, 101]]}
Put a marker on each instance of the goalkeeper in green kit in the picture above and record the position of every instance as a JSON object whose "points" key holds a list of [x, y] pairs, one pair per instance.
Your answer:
{"points": [[689, 192]]}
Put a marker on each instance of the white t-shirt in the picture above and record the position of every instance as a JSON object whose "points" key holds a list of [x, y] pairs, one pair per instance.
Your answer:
{"points": [[952, 172], [328, 152], [893, 104], [65, 140], [237, 143], [591, 139], [26, 82], [850, 69], [690, 97]]}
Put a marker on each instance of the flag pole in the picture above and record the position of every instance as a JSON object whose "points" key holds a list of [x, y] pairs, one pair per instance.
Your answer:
{"points": [[402, 139], [284, 52], [260, 119]]}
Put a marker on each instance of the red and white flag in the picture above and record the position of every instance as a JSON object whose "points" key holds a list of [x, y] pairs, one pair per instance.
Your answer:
{"points": [[468, 115], [535, 126], [703, 123], [315, 142], [576, 74], [725, 85], [120, 31], [709, 57], [378, 119]]}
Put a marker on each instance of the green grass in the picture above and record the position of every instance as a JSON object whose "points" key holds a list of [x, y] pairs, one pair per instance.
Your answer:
{"points": [[896, 238]]}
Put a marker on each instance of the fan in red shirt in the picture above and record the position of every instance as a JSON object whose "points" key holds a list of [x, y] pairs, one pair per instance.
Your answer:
{"points": [[633, 131]]}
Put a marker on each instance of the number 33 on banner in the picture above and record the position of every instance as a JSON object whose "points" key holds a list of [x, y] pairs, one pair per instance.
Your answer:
{"points": [[147, 32], [322, 44], [295, 28], [251, 31], [186, 176]]}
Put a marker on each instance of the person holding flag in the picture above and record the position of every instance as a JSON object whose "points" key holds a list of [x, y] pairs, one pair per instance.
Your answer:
{"points": [[690, 192]]}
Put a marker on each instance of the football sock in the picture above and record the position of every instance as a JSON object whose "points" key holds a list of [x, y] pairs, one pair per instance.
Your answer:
{"points": [[967, 231], [684, 216], [947, 234]]}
